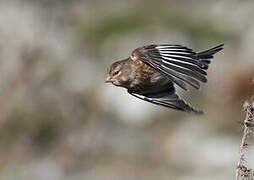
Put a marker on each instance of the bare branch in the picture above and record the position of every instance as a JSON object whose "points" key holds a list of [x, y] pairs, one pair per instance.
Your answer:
{"points": [[242, 171]]}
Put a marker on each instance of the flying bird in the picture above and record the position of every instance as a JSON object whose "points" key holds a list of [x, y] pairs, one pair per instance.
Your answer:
{"points": [[152, 72]]}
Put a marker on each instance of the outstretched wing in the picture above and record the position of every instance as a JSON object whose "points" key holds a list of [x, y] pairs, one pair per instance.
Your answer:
{"points": [[171, 101], [180, 64]]}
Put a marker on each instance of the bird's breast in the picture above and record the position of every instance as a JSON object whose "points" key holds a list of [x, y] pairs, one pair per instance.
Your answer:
{"points": [[146, 78]]}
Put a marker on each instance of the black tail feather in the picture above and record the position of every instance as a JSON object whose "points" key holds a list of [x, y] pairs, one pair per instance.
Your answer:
{"points": [[206, 56]]}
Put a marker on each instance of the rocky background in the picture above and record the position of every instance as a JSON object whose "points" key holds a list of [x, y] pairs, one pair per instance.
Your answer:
{"points": [[60, 121]]}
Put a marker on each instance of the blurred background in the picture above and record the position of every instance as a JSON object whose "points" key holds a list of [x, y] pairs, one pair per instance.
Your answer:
{"points": [[60, 121]]}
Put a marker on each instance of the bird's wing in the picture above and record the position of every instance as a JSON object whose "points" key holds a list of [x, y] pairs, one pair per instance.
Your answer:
{"points": [[171, 101], [180, 64]]}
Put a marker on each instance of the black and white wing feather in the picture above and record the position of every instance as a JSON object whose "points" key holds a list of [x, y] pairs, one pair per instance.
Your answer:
{"points": [[180, 64], [171, 101]]}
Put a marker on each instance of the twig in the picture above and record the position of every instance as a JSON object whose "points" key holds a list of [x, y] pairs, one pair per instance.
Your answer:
{"points": [[242, 172]]}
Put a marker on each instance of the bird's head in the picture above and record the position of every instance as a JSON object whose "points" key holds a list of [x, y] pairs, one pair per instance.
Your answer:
{"points": [[119, 73]]}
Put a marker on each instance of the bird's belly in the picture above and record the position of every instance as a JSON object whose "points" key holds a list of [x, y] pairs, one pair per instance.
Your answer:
{"points": [[150, 84]]}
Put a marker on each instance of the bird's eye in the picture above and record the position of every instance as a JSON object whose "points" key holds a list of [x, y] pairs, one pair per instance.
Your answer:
{"points": [[115, 73]]}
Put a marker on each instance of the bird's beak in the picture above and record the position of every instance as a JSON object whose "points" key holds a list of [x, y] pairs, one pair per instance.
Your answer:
{"points": [[108, 80]]}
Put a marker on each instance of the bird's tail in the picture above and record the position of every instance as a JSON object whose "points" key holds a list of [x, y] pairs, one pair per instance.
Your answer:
{"points": [[206, 56]]}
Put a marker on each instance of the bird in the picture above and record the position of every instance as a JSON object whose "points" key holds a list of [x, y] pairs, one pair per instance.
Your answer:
{"points": [[152, 73]]}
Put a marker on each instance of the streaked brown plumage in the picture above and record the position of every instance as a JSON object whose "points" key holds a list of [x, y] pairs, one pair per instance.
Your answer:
{"points": [[151, 73]]}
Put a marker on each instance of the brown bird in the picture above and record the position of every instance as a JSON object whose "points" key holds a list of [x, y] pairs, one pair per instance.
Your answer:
{"points": [[151, 73]]}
